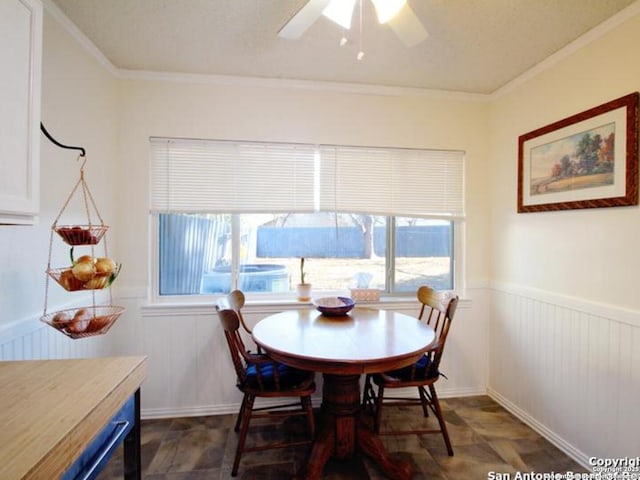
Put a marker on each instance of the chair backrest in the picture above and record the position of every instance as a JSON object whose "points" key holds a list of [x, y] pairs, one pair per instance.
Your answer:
{"points": [[235, 301], [230, 321], [437, 310]]}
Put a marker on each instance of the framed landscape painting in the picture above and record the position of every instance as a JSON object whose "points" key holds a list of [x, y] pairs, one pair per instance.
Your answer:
{"points": [[588, 160]]}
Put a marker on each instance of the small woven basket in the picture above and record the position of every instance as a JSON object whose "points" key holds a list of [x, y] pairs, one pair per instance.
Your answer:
{"points": [[361, 295], [83, 322]]}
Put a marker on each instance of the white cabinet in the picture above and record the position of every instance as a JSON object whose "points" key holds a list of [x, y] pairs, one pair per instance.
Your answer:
{"points": [[20, 76]]}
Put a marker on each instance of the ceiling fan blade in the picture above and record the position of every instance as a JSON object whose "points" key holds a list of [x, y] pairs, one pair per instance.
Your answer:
{"points": [[407, 27], [303, 19]]}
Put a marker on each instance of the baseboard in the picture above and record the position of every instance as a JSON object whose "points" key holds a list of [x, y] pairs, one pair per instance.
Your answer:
{"points": [[550, 435], [232, 408], [206, 410], [442, 392], [461, 392], [201, 411]]}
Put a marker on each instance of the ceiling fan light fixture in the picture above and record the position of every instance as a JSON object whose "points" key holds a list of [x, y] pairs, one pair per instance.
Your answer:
{"points": [[387, 9], [340, 12]]}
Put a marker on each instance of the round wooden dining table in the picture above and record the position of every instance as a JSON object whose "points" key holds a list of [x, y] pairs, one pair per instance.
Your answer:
{"points": [[342, 348]]}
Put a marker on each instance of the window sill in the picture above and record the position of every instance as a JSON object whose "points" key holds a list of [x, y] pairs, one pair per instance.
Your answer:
{"points": [[267, 306]]}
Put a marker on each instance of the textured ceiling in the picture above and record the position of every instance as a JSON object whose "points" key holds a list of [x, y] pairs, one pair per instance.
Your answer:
{"points": [[474, 46]]}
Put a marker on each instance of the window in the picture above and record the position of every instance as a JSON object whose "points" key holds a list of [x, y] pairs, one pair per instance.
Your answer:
{"points": [[240, 215]]}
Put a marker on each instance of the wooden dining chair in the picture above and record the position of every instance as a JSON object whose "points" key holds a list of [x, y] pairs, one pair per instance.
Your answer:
{"points": [[259, 376], [437, 310]]}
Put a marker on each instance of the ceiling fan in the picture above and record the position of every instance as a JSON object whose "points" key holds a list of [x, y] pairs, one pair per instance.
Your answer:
{"points": [[396, 13]]}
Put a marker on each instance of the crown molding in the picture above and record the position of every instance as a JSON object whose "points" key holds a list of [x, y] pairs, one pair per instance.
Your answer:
{"points": [[582, 41], [294, 84], [53, 10]]}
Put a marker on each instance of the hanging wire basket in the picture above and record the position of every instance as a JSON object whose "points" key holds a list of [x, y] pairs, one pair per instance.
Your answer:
{"points": [[66, 279], [100, 273], [84, 321], [81, 234]]}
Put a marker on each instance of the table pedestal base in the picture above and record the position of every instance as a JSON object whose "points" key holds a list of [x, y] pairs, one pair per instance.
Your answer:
{"points": [[342, 432]]}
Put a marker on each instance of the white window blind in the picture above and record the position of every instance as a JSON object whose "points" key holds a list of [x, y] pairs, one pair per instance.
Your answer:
{"points": [[392, 181], [208, 176]]}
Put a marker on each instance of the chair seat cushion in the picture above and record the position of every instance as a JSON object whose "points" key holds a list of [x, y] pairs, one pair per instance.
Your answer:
{"points": [[289, 377], [423, 369]]}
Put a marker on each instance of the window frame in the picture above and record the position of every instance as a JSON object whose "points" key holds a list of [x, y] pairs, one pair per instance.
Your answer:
{"points": [[456, 217], [458, 263]]}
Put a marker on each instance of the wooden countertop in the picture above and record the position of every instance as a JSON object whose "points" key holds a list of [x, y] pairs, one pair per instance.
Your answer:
{"points": [[51, 409]]}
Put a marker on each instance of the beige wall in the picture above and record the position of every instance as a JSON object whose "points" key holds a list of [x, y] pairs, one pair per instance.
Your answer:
{"points": [[84, 104], [195, 110], [112, 118], [589, 254], [564, 317], [184, 343], [79, 107]]}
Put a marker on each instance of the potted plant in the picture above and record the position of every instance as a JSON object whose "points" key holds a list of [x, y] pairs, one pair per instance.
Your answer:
{"points": [[303, 289]]}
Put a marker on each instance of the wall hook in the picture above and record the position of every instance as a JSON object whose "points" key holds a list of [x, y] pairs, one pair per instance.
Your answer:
{"points": [[53, 140]]}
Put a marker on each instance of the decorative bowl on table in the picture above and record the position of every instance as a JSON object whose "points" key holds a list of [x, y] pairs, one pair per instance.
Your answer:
{"points": [[334, 306]]}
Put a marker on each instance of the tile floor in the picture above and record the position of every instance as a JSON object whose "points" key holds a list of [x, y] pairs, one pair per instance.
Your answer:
{"points": [[485, 437]]}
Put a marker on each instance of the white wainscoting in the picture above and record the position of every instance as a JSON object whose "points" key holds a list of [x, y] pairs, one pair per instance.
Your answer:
{"points": [[189, 369], [569, 368], [190, 372], [34, 340]]}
